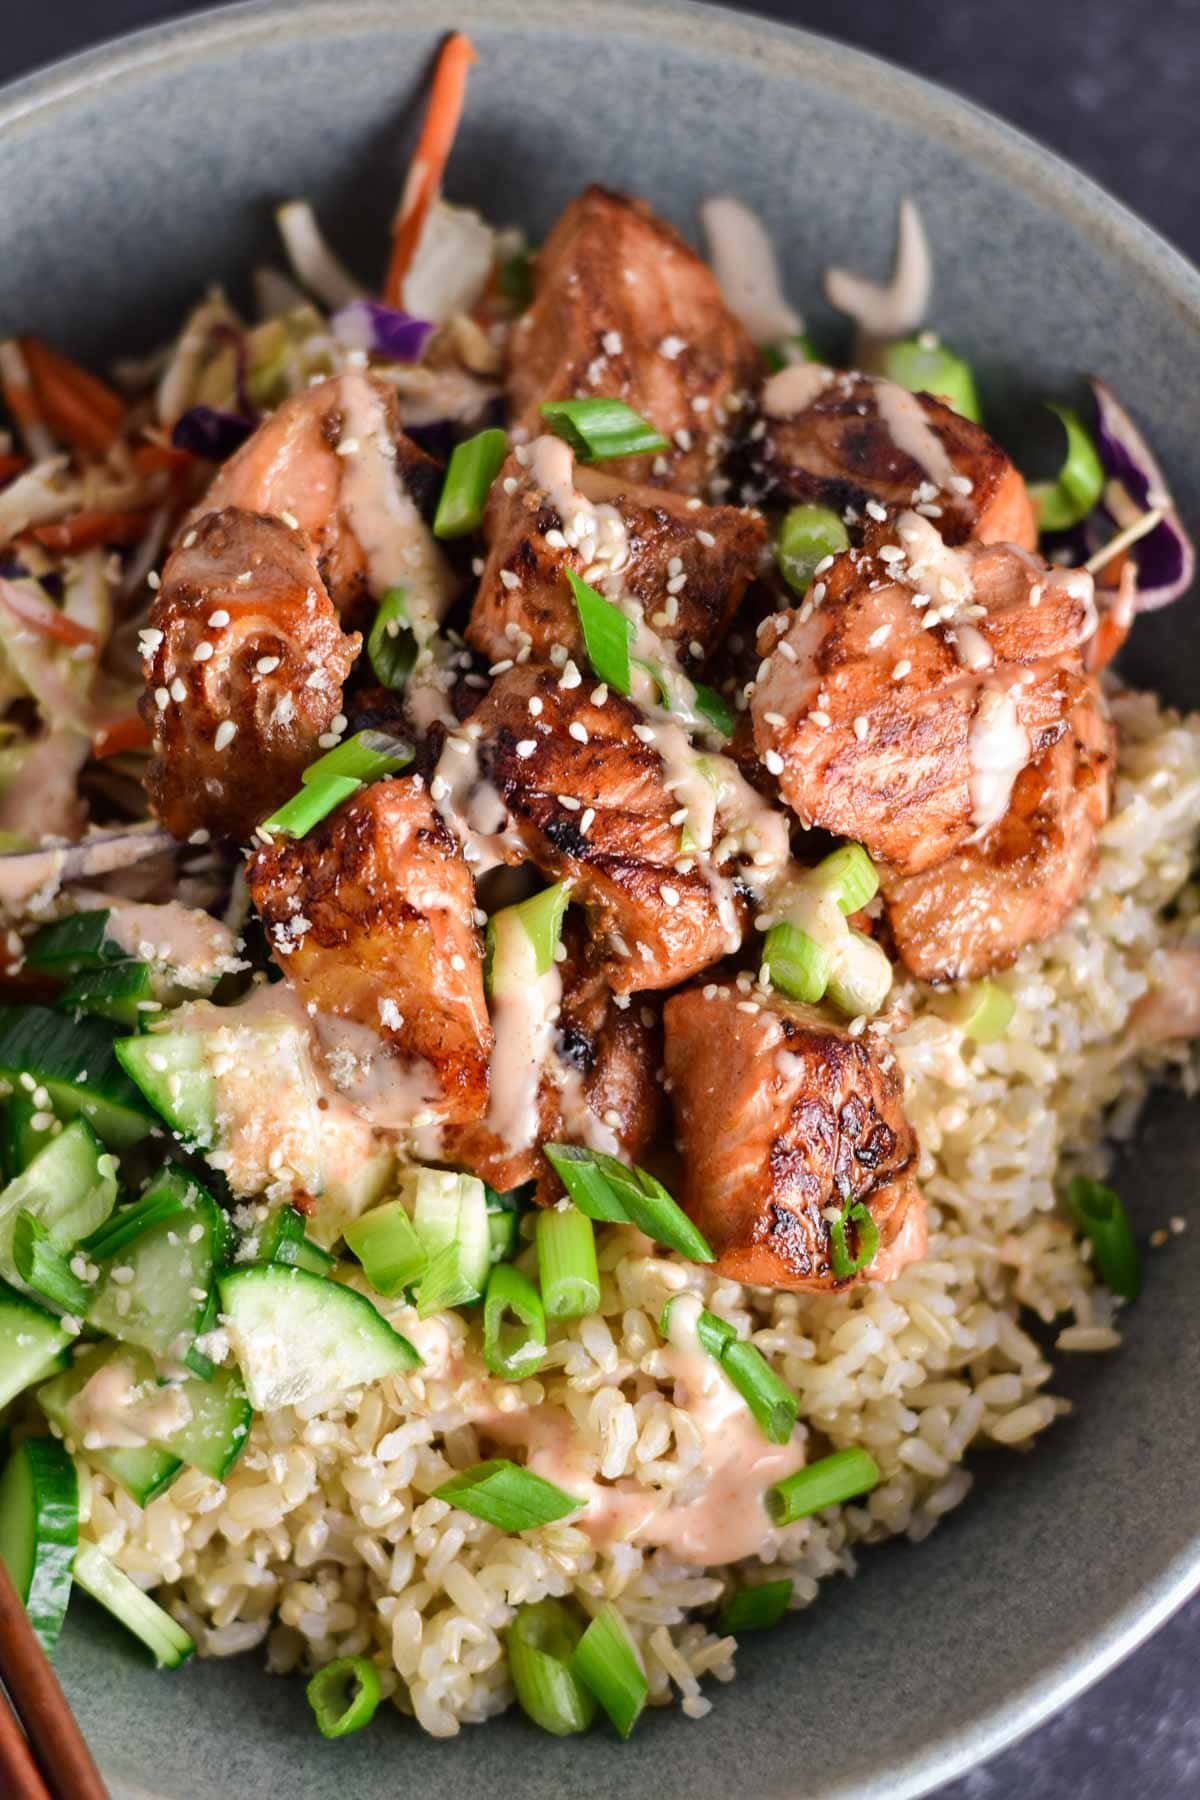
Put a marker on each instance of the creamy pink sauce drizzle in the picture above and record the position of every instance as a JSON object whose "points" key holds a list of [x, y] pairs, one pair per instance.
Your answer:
{"points": [[115, 1411], [747, 272], [897, 307]]}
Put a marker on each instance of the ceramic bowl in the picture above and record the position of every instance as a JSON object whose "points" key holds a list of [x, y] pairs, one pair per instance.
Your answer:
{"points": [[134, 176]]}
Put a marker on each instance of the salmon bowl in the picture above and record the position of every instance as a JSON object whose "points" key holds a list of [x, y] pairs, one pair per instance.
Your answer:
{"points": [[601, 957]]}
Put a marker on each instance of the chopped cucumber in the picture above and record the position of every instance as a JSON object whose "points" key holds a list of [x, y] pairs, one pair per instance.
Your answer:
{"points": [[78, 942], [155, 1291], [39, 1528], [283, 1240], [143, 1470], [297, 1336], [216, 1434], [171, 1069], [32, 1342], [23, 1138], [44, 1270], [76, 1062], [69, 1188], [126, 992], [168, 1642]]}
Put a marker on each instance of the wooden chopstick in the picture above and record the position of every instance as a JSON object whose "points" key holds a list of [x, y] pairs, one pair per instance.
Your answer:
{"points": [[55, 1739], [19, 1778]]}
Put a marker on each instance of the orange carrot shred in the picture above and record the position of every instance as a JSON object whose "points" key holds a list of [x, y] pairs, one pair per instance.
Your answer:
{"points": [[428, 165], [43, 617], [130, 733], [87, 529], [79, 408], [148, 459]]}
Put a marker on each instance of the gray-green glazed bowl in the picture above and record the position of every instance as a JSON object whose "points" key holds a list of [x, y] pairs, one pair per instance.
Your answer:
{"points": [[132, 177]]}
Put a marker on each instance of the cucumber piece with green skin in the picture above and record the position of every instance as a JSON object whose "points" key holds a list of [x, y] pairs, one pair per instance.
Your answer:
{"points": [[297, 1336], [32, 1342], [155, 1291], [44, 1270], [125, 992], [69, 1187], [76, 1062], [171, 1070], [78, 942], [144, 1471], [283, 1239], [216, 1434], [23, 1139], [168, 1642], [39, 1529]]}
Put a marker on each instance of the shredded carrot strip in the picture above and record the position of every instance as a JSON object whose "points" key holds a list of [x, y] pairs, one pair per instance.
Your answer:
{"points": [[44, 618], [78, 408], [122, 734], [428, 164], [12, 465], [148, 459], [87, 529]]}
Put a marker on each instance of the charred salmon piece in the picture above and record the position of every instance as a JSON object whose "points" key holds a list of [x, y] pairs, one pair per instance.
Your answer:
{"points": [[900, 701], [780, 1117], [977, 910], [622, 307], [371, 919], [244, 660], [585, 781], [334, 460], [842, 440], [686, 567], [599, 1087]]}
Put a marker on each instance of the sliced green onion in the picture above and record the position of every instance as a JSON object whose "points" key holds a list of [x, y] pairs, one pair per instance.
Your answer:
{"points": [[367, 756], [522, 939], [607, 635], [391, 646], [807, 535], [45, 1269], [606, 1189], [924, 366], [772, 1403], [385, 1242], [600, 428], [607, 1663], [1065, 502], [503, 1494], [1102, 1218], [445, 1283], [344, 1695], [842, 1476], [755, 1608], [797, 965], [297, 816], [540, 1642], [283, 1239], [503, 1236], [474, 466], [861, 977], [513, 1351], [566, 1250], [162, 1201], [867, 1233], [983, 1010], [450, 1217], [848, 876], [514, 279], [714, 708]]}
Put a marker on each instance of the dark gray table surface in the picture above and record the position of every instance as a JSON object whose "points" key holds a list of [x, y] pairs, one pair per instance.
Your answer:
{"points": [[1113, 87]]}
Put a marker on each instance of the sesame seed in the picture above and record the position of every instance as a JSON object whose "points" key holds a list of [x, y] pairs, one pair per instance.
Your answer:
{"points": [[570, 677], [178, 690], [349, 446], [189, 540], [201, 835], [683, 438], [290, 520], [153, 580], [161, 698], [588, 819], [555, 539], [600, 695], [226, 732], [861, 728], [644, 733], [669, 896], [266, 665], [510, 484], [706, 538], [501, 667], [536, 705], [930, 618], [902, 668], [526, 748], [612, 343], [774, 762], [203, 650], [774, 718], [510, 580], [218, 618], [961, 484], [577, 731], [569, 802], [876, 511], [670, 347], [820, 718]]}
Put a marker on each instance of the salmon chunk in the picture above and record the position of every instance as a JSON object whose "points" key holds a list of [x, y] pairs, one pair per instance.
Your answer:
{"points": [[781, 1117], [371, 918], [977, 910], [244, 661], [599, 1086], [623, 308], [334, 460], [584, 780], [842, 440], [900, 702], [685, 567]]}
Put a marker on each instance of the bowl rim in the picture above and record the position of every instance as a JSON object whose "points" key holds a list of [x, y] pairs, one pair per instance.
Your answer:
{"points": [[968, 130]]}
